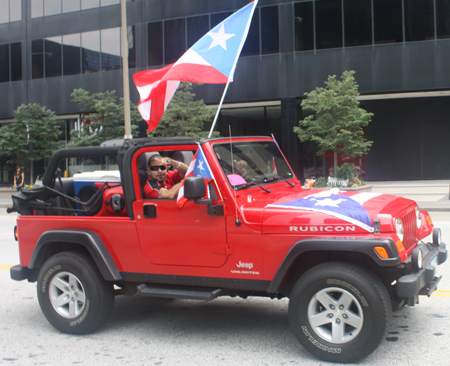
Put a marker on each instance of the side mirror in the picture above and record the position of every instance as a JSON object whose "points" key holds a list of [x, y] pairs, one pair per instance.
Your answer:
{"points": [[194, 187]]}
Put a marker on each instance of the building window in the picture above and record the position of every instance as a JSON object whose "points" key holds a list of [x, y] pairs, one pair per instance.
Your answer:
{"points": [[109, 2], [89, 4], [270, 42], [37, 58], [70, 5], [304, 26], [131, 47], [52, 7], [4, 62], [328, 24], [110, 46], [419, 20], [155, 44], [11, 11], [443, 18], [37, 8], [251, 45], [16, 61], [53, 56], [174, 39], [197, 27], [216, 18], [90, 52], [357, 22], [72, 54], [388, 21]]}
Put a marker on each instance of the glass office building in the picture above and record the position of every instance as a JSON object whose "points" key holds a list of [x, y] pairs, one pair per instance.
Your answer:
{"points": [[400, 50]]}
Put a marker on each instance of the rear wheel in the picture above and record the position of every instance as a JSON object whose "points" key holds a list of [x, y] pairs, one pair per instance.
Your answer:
{"points": [[73, 295], [339, 312]]}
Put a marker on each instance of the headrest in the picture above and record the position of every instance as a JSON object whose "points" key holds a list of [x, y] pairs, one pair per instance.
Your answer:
{"points": [[183, 156]]}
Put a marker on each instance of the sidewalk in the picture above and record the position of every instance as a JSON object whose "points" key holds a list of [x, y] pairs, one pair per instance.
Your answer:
{"points": [[431, 195]]}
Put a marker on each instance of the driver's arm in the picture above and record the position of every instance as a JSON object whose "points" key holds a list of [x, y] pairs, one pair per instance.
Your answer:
{"points": [[170, 193]]}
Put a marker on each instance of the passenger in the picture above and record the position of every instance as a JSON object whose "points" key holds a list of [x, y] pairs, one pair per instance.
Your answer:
{"points": [[163, 183]]}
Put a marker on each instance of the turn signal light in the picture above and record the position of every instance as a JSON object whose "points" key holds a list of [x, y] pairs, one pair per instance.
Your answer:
{"points": [[16, 234], [382, 252]]}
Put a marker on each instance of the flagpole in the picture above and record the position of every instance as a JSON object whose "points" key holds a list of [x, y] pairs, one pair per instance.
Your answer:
{"points": [[126, 83], [218, 109]]}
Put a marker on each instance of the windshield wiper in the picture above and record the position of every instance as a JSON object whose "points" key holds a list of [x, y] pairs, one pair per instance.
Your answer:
{"points": [[278, 177], [242, 186]]}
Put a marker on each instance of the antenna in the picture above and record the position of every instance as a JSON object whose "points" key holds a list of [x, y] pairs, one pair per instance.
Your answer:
{"points": [[237, 222]]}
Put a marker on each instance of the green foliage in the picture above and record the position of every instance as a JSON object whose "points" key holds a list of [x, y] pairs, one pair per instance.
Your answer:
{"points": [[338, 121], [320, 182], [105, 119], [33, 136], [344, 172], [184, 116]]}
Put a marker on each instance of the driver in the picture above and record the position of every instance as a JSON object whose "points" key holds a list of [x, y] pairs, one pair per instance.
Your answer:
{"points": [[163, 183]]}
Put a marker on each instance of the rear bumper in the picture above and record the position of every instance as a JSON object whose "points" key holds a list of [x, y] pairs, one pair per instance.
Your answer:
{"points": [[19, 273], [424, 281]]}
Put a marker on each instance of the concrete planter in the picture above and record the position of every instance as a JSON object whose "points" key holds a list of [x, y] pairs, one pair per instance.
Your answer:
{"points": [[366, 188]]}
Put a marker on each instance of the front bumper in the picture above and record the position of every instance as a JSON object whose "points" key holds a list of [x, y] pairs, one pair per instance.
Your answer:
{"points": [[19, 273], [423, 281]]}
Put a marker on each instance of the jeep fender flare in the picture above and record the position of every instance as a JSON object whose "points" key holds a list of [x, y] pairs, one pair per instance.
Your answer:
{"points": [[355, 245], [86, 238]]}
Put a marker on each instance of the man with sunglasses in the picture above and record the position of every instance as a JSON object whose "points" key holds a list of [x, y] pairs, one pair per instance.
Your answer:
{"points": [[163, 183]]}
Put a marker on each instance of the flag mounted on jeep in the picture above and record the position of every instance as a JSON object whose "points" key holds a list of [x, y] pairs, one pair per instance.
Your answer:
{"points": [[212, 60]]}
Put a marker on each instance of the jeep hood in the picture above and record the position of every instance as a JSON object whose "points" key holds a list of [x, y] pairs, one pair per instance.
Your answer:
{"points": [[323, 211]]}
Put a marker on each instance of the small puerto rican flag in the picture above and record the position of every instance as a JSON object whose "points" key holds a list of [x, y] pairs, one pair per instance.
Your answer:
{"points": [[333, 202]]}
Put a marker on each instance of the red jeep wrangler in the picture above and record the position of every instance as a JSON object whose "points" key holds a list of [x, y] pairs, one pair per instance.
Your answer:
{"points": [[344, 259]]}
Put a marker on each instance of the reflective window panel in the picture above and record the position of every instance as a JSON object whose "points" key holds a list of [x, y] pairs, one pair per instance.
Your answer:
{"points": [[388, 21], [16, 61], [270, 42], [218, 17], [37, 8], [251, 45], [419, 20], [72, 54], [4, 12], [88, 4], [109, 2], [70, 5], [131, 47], [197, 27], [155, 43], [328, 24], [174, 40], [37, 58], [4, 63], [90, 52], [110, 46], [53, 56], [15, 10], [304, 26], [443, 18], [357, 22], [52, 7]]}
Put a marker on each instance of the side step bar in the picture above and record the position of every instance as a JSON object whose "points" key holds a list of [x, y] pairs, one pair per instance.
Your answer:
{"points": [[191, 293]]}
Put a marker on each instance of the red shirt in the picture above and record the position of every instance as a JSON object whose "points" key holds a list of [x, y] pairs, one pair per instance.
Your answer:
{"points": [[152, 187]]}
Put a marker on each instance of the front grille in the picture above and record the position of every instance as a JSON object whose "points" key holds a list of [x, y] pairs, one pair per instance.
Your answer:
{"points": [[410, 230]]}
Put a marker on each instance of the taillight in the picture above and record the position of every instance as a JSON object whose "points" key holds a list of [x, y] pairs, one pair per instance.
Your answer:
{"points": [[16, 234]]}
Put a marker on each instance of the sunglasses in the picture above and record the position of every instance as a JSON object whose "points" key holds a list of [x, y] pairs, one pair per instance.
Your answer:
{"points": [[155, 168]]}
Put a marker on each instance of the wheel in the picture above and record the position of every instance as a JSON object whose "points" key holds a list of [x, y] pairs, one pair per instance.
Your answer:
{"points": [[339, 312], [72, 294]]}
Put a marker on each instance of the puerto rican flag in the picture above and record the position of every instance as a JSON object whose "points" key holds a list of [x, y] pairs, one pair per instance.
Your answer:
{"points": [[333, 202], [212, 60], [198, 166]]}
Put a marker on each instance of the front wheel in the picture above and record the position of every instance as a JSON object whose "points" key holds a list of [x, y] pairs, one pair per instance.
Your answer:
{"points": [[339, 312], [72, 294]]}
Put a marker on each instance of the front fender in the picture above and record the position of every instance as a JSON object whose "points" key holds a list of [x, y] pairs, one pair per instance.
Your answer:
{"points": [[355, 245], [86, 238]]}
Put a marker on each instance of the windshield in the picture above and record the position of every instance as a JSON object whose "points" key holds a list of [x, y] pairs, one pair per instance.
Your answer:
{"points": [[253, 162]]}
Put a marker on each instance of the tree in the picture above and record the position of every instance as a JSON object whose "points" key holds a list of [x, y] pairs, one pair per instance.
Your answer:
{"points": [[105, 120], [338, 121], [42, 132], [14, 142], [184, 116]]}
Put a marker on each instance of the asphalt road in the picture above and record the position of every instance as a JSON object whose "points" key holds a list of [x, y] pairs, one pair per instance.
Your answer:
{"points": [[226, 331]]}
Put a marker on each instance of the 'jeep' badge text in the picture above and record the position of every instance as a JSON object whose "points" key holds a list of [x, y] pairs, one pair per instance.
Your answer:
{"points": [[322, 228]]}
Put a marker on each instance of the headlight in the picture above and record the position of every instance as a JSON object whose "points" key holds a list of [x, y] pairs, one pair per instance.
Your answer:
{"points": [[417, 259], [418, 218], [399, 228]]}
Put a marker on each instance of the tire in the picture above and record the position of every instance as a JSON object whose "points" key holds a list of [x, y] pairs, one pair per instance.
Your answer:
{"points": [[339, 312], [73, 295]]}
